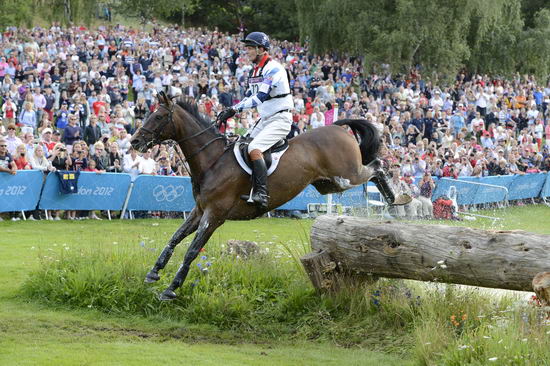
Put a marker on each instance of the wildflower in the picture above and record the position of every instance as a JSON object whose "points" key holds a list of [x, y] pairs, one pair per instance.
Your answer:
{"points": [[155, 224], [441, 262], [464, 317], [204, 270], [204, 258], [199, 265], [486, 337], [208, 264], [493, 359], [115, 242], [443, 266]]}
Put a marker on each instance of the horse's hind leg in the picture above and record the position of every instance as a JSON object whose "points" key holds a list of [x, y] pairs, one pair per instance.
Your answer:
{"points": [[361, 175], [187, 228], [206, 228]]}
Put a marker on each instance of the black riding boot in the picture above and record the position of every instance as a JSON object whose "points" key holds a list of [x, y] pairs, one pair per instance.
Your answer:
{"points": [[259, 183], [383, 186]]}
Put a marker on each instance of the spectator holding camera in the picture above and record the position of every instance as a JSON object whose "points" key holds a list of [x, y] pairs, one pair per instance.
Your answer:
{"points": [[20, 158], [60, 158]]}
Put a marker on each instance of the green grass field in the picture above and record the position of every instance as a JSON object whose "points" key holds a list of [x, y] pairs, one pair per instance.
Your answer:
{"points": [[62, 330]]}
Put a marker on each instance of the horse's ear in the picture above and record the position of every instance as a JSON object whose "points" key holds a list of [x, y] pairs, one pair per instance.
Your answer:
{"points": [[163, 98]]}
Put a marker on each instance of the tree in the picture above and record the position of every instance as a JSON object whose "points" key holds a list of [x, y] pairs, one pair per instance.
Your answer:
{"points": [[442, 36], [146, 9]]}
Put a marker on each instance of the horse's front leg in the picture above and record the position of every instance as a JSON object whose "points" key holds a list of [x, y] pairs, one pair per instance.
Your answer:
{"points": [[186, 229], [207, 226]]}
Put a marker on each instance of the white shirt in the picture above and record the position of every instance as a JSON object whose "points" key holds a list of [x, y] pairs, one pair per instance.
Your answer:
{"points": [[147, 166]]}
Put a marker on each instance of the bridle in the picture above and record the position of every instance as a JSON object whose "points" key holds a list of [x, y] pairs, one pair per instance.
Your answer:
{"points": [[155, 133]]}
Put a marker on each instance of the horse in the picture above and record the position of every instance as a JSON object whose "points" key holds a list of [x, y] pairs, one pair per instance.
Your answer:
{"points": [[330, 158]]}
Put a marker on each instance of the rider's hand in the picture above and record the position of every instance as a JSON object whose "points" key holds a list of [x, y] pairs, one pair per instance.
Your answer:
{"points": [[226, 114]]}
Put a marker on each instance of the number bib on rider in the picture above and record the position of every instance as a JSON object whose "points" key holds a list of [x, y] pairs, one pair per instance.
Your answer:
{"points": [[254, 83]]}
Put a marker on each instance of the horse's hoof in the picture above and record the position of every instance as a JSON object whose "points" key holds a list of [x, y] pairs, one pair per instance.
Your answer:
{"points": [[152, 277], [402, 199], [167, 295]]}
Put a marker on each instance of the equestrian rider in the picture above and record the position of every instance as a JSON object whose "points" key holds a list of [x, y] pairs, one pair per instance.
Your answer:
{"points": [[269, 92]]}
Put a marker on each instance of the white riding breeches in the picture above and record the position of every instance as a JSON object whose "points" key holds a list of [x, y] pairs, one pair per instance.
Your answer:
{"points": [[269, 131]]}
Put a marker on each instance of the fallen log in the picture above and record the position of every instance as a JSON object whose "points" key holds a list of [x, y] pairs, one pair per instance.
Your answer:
{"points": [[450, 254]]}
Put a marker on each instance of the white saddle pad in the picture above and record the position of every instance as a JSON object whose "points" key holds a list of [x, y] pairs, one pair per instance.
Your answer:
{"points": [[275, 157]]}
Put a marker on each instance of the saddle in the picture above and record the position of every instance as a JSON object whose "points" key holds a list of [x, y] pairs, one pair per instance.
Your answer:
{"points": [[271, 156]]}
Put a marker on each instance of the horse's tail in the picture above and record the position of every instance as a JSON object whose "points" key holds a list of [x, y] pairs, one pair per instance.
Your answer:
{"points": [[368, 136]]}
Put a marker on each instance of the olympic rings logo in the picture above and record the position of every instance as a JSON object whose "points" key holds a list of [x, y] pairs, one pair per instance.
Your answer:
{"points": [[167, 193]]}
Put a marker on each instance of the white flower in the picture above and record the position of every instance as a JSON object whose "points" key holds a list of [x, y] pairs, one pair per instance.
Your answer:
{"points": [[441, 262], [492, 359], [155, 224], [486, 337], [443, 266]]}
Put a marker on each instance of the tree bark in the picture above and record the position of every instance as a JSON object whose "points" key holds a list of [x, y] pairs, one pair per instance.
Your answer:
{"points": [[461, 255]]}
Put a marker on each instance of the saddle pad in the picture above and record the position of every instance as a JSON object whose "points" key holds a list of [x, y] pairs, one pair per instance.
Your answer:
{"points": [[275, 157]]}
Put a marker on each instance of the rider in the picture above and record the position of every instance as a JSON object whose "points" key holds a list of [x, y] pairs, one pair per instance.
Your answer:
{"points": [[269, 91]]}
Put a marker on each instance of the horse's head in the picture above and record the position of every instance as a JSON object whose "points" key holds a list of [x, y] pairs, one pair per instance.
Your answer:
{"points": [[158, 127]]}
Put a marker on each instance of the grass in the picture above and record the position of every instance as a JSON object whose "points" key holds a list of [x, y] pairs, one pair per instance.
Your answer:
{"points": [[64, 333], [78, 287]]}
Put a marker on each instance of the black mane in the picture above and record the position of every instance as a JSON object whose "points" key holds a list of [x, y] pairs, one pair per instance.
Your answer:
{"points": [[191, 107]]}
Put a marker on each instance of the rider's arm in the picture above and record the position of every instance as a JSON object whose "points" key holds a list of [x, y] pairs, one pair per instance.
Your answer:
{"points": [[251, 101]]}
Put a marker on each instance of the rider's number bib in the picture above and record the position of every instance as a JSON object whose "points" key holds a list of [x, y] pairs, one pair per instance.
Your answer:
{"points": [[254, 84]]}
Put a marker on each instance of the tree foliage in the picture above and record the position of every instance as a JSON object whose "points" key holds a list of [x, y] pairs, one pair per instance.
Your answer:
{"points": [[443, 36]]}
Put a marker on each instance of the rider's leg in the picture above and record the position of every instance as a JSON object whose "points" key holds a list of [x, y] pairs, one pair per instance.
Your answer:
{"points": [[259, 179]]}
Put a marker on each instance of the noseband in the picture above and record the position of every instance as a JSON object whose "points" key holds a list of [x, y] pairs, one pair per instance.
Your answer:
{"points": [[155, 133]]}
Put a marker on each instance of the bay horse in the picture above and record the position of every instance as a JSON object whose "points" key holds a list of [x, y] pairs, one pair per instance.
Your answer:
{"points": [[329, 158]]}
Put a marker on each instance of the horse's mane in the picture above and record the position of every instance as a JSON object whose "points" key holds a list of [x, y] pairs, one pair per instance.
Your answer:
{"points": [[191, 107]]}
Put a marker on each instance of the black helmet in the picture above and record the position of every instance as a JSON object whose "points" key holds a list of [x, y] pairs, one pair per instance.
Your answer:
{"points": [[257, 39]]}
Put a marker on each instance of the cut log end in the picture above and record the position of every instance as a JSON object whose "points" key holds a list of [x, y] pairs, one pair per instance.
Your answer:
{"points": [[541, 286]]}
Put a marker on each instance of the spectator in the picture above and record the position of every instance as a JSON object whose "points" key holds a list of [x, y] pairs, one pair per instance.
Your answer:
{"points": [[100, 156], [427, 186], [7, 165], [147, 165], [72, 132], [39, 161], [20, 158]]}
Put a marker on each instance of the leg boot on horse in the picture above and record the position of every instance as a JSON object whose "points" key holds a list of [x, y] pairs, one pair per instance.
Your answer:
{"points": [[381, 181]]}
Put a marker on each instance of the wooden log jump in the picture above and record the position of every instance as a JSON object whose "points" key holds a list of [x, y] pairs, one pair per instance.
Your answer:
{"points": [[497, 259]]}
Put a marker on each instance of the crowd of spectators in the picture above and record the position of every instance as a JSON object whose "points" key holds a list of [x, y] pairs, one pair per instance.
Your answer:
{"points": [[72, 97]]}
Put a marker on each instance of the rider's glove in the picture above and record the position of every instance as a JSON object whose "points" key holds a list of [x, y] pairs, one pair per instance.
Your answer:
{"points": [[225, 115]]}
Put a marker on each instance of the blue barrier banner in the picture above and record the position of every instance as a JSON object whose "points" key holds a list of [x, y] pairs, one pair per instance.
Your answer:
{"points": [[465, 192], [20, 192], [352, 197], [106, 191], [488, 194], [161, 193], [546, 189], [308, 195], [527, 186]]}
